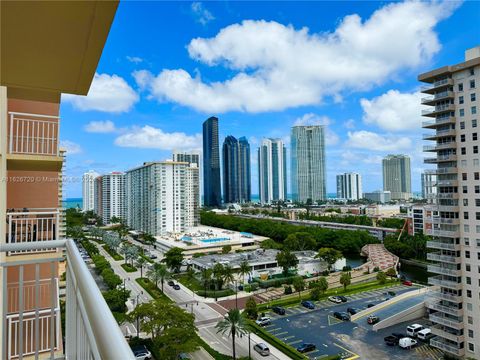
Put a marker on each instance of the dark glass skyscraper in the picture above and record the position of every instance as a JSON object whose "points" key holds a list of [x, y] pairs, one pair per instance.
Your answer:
{"points": [[236, 170], [211, 163]]}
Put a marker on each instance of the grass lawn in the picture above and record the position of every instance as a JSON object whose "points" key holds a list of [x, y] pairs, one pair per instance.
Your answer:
{"points": [[147, 258], [129, 268], [152, 289], [116, 256], [195, 285]]}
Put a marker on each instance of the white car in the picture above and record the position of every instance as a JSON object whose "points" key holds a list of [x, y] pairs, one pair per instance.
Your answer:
{"points": [[262, 349], [407, 343], [263, 321], [335, 299]]}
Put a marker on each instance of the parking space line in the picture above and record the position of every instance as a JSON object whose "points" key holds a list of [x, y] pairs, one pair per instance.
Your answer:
{"points": [[288, 337], [273, 330], [353, 357], [282, 333], [294, 342]]}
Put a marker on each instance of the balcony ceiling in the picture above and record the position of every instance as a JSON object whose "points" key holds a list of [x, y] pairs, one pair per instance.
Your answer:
{"points": [[52, 47]]}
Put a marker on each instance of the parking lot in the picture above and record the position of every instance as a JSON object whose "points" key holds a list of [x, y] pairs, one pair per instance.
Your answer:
{"points": [[332, 336]]}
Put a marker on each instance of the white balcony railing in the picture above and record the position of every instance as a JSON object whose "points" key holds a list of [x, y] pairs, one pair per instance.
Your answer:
{"points": [[32, 226], [33, 134], [91, 332]]}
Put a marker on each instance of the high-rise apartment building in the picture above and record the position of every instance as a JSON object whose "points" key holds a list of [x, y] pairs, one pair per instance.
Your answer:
{"points": [[428, 181], [212, 193], [98, 197], [378, 196], [236, 170], [272, 171], [309, 177], [454, 307], [349, 186], [88, 190], [189, 157], [397, 177], [113, 196], [160, 197], [40, 59]]}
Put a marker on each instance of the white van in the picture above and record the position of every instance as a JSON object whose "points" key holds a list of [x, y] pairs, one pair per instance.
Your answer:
{"points": [[424, 334], [407, 343], [413, 330]]}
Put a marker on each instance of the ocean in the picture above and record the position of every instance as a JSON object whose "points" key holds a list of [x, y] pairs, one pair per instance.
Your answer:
{"points": [[72, 203]]}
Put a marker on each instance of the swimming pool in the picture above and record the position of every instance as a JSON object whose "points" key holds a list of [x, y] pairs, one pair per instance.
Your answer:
{"points": [[209, 241]]}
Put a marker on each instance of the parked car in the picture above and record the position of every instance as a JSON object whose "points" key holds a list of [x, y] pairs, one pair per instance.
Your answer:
{"points": [[343, 298], [407, 343], [391, 340], [425, 334], [335, 299], [278, 310], [308, 304], [342, 315], [414, 329], [353, 311], [373, 319], [176, 287], [152, 256], [306, 347], [141, 352], [263, 321], [170, 283], [391, 293], [407, 283], [370, 305], [262, 349], [184, 356]]}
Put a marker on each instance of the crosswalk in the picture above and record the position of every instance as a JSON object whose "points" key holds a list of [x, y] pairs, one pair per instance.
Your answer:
{"points": [[427, 352]]}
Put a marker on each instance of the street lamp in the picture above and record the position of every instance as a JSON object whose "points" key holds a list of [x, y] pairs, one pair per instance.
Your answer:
{"points": [[236, 293], [138, 324], [249, 347]]}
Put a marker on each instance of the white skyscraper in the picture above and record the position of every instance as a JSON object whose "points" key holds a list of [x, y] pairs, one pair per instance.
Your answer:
{"points": [[113, 196], [162, 197], [88, 193], [429, 189], [308, 172], [189, 157], [349, 186], [272, 171]]}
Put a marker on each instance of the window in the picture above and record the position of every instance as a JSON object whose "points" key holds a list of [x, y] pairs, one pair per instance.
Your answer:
{"points": [[462, 138], [469, 306], [467, 254], [466, 240], [477, 189], [465, 215], [463, 151], [468, 267], [464, 163], [470, 333], [464, 176], [476, 175], [475, 149], [473, 110], [471, 71], [474, 136], [465, 202], [460, 87], [472, 84], [469, 293], [473, 97], [468, 280], [470, 320], [460, 100], [477, 202], [465, 189], [471, 347], [461, 112], [466, 228], [474, 123], [477, 215], [475, 162]]}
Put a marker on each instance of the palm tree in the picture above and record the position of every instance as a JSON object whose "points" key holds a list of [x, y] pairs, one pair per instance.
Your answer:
{"points": [[159, 272], [206, 278], [140, 263], [244, 269], [233, 324], [228, 275], [217, 272]]}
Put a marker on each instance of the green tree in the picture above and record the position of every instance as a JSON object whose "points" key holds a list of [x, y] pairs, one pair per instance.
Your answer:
{"points": [[315, 292], [75, 232], [228, 275], [112, 240], [174, 258], [300, 241], [206, 278], [217, 273], [329, 255], [391, 272], [233, 324], [140, 263], [251, 308], [286, 260], [226, 249], [322, 284], [171, 328], [149, 240], [244, 269], [345, 280], [299, 285], [115, 220], [381, 277], [159, 272]]}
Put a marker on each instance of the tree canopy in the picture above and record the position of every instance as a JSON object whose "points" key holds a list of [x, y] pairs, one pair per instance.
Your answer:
{"points": [[174, 258], [286, 260]]}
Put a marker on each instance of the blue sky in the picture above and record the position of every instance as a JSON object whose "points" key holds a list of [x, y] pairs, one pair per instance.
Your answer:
{"points": [[262, 67]]}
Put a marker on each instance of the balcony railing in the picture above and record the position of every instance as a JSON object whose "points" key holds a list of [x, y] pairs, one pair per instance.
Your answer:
{"points": [[438, 280], [430, 124], [446, 233], [32, 226], [442, 345], [445, 296], [91, 331], [447, 321], [442, 245], [444, 258], [452, 310], [33, 134], [439, 331], [438, 109], [443, 270]]}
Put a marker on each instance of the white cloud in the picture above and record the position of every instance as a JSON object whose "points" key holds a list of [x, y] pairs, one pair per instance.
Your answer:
{"points": [[134, 59], [349, 124], [393, 111], [202, 15], [108, 93], [106, 126], [149, 137], [331, 138], [279, 67], [71, 147], [376, 142]]}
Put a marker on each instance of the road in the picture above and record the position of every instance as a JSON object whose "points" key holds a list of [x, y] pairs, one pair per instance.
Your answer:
{"points": [[207, 314]]}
